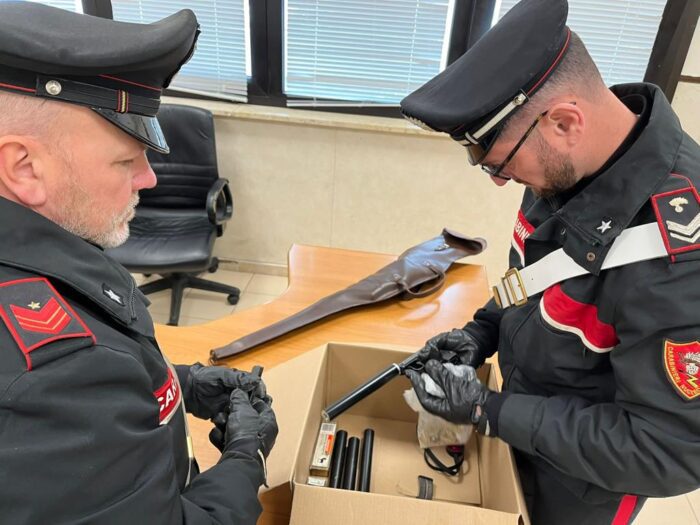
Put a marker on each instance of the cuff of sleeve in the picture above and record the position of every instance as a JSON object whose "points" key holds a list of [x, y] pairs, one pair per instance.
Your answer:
{"points": [[492, 408], [183, 373], [517, 421]]}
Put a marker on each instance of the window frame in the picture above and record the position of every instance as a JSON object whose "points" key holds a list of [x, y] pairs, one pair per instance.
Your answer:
{"points": [[670, 50], [471, 19]]}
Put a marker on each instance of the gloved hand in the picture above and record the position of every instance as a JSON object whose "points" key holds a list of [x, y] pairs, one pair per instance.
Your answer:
{"points": [[206, 389], [457, 343], [464, 396], [251, 428]]}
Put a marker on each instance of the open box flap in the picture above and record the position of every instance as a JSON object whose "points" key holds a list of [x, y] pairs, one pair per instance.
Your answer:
{"points": [[292, 386]]}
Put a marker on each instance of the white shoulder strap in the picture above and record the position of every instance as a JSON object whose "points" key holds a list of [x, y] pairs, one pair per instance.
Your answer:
{"points": [[639, 243]]}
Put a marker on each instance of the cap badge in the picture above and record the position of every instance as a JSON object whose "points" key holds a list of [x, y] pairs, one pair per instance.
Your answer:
{"points": [[53, 87]]}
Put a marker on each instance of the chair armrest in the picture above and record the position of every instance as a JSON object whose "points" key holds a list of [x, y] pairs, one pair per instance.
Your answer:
{"points": [[219, 202]]}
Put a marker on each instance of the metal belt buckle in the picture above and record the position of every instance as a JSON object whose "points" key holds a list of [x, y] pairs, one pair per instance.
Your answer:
{"points": [[497, 297], [515, 287]]}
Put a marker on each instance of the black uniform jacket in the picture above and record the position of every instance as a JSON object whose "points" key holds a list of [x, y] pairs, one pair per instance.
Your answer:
{"points": [[92, 421], [602, 371]]}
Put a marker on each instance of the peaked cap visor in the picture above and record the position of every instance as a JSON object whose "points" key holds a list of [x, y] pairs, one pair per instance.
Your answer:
{"points": [[514, 57], [144, 129]]}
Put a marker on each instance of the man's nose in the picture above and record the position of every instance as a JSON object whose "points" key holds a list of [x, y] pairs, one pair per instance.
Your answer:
{"points": [[499, 181], [146, 177]]}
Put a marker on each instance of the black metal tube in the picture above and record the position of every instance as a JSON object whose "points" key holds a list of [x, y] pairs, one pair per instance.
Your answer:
{"points": [[352, 455], [338, 459], [366, 460], [361, 392]]}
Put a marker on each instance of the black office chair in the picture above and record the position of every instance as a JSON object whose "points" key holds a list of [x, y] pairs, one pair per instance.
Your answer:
{"points": [[176, 222]]}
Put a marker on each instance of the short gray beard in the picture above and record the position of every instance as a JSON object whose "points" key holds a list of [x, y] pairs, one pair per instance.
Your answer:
{"points": [[559, 172], [73, 220]]}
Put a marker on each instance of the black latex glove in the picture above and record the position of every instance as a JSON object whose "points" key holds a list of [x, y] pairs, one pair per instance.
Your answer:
{"points": [[457, 346], [207, 389], [464, 396], [251, 427]]}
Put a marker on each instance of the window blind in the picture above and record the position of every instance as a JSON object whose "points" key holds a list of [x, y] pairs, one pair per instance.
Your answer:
{"points": [[362, 52], [219, 63], [68, 5], [619, 34]]}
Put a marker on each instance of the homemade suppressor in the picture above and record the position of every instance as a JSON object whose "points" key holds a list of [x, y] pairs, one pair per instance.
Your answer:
{"points": [[366, 460], [382, 378], [338, 459]]}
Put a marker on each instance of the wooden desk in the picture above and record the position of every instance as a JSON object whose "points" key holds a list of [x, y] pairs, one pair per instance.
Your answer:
{"points": [[315, 273]]}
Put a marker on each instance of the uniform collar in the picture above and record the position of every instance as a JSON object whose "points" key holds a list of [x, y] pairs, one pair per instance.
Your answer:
{"points": [[604, 208], [41, 246]]}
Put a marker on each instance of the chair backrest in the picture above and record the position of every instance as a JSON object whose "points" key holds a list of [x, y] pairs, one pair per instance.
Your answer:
{"points": [[189, 170]]}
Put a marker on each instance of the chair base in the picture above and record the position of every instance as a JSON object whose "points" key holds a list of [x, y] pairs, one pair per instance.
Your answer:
{"points": [[178, 282]]}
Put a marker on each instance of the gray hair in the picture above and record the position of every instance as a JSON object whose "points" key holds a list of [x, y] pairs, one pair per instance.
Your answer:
{"points": [[25, 115]]}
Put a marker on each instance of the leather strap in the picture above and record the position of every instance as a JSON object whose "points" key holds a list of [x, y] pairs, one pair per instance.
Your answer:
{"points": [[640, 243], [417, 272]]}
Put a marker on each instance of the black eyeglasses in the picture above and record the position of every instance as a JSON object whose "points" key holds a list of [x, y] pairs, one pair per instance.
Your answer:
{"points": [[496, 171]]}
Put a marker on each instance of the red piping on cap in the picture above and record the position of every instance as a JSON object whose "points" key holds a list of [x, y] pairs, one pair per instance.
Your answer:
{"points": [[131, 82], [19, 88], [556, 61]]}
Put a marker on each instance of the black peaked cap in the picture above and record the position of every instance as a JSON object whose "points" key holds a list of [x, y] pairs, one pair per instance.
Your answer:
{"points": [[486, 85], [118, 69]]}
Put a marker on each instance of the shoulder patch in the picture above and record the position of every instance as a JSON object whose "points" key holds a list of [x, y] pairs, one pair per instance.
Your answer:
{"points": [[36, 314], [682, 363], [678, 215]]}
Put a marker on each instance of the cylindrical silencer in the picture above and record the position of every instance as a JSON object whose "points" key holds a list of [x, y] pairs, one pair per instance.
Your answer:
{"points": [[352, 456], [366, 460], [338, 459]]}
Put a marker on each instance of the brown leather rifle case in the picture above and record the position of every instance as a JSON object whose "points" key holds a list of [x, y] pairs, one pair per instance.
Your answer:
{"points": [[418, 272]]}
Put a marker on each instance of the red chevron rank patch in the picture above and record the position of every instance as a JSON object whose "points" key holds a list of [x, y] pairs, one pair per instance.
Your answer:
{"points": [[49, 319], [682, 363], [35, 314]]}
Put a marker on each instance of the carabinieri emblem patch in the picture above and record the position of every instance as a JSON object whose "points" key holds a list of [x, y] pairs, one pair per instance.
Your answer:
{"points": [[682, 363]]}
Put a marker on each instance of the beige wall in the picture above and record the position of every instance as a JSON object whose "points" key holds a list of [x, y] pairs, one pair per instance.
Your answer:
{"points": [[381, 191], [354, 189]]}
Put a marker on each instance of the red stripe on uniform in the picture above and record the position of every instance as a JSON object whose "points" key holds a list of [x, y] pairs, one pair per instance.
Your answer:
{"points": [[625, 510], [523, 229], [565, 313], [168, 396]]}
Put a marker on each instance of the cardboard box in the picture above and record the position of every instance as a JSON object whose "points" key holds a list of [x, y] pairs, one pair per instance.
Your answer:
{"points": [[488, 493]]}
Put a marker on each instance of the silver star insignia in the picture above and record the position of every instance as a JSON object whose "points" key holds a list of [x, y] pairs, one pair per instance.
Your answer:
{"points": [[604, 226], [113, 296]]}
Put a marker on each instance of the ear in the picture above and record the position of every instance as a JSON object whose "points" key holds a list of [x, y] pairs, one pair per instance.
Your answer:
{"points": [[21, 170], [565, 123]]}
